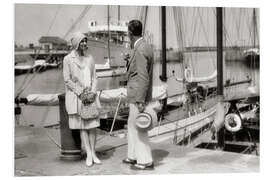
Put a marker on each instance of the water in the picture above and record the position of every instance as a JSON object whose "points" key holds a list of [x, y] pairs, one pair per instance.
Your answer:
{"points": [[202, 63], [51, 82]]}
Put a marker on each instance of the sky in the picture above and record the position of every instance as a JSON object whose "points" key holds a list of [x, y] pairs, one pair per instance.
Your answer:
{"points": [[198, 24], [35, 20]]}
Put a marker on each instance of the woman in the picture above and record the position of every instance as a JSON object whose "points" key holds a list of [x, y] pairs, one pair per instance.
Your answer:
{"points": [[80, 77]]}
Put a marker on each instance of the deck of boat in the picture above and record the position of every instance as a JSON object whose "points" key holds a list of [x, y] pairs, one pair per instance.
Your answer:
{"points": [[37, 155]]}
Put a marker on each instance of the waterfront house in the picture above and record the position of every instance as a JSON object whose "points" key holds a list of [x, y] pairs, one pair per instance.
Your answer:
{"points": [[52, 43]]}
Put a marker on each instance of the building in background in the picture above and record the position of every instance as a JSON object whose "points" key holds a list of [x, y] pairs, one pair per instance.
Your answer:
{"points": [[52, 43]]}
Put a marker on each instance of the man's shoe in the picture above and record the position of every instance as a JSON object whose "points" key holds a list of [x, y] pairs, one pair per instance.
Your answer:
{"points": [[129, 161], [143, 166]]}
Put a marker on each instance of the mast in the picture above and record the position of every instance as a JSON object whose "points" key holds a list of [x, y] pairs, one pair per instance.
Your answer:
{"points": [[220, 88], [254, 27], [118, 21], [219, 52], [109, 33], [118, 8], [145, 19], [163, 76]]}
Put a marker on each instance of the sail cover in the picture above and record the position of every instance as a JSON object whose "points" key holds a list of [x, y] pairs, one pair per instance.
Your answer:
{"points": [[159, 93]]}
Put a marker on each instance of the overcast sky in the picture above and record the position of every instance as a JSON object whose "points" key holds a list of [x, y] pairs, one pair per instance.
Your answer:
{"points": [[35, 20], [198, 27]]}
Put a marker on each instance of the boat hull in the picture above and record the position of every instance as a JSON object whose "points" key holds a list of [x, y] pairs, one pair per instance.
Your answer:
{"points": [[179, 124], [19, 71]]}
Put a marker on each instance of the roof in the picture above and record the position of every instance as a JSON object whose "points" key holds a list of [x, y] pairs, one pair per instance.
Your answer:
{"points": [[103, 28], [52, 39]]}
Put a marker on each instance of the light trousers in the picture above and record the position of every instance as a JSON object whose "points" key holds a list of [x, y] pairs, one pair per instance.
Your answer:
{"points": [[138, 142]]}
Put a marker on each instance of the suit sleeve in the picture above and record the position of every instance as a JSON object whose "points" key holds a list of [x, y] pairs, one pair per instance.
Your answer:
{"points": [[142, 77], [70, 84]]}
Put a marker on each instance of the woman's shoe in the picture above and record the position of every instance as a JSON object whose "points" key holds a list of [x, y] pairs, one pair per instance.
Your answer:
{"points": [[96, 160], [143, 166], [89, 162], [129, 161]]}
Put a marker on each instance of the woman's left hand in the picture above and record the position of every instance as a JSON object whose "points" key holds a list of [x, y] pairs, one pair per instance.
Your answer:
{"points": [[91, 97]]}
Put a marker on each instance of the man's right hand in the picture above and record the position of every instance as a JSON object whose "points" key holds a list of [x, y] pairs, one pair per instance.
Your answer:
{"points": [[140, 106]]}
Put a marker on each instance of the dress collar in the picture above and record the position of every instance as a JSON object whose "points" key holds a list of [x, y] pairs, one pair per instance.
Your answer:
{"points": [[80, 61]]}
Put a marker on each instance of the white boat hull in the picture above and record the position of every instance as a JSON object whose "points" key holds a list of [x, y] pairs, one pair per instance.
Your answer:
{"points": [[182, 128]]}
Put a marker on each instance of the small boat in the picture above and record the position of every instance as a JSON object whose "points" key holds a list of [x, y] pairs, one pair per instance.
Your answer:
{"points": [[105, 70], [23, 69], [103, 67], [40, 65], [252, 55], [52, 65]]}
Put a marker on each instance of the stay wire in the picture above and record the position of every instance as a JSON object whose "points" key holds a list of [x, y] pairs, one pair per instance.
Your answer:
{"points": [[21, 89], [56, 89], [78, 20], [206, 37]]}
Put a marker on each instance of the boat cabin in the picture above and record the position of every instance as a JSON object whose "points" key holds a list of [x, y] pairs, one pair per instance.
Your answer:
{"points": [[116, 31]]}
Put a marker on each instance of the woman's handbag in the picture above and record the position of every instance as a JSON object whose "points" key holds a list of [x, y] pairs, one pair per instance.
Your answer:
{"points": [[89, 111], [89, 108]]}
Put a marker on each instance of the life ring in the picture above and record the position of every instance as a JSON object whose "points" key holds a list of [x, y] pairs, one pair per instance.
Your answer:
{"points": [[233, 122]]}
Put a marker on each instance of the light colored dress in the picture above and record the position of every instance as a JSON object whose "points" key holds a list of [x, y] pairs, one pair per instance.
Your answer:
{"points": [[75, 121]]}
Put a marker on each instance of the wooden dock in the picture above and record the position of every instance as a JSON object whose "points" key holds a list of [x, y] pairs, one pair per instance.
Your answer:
{"points": [[37, 155]]}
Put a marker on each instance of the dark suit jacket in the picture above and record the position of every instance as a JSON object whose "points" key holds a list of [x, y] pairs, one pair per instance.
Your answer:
{"points": [[139, 73]]}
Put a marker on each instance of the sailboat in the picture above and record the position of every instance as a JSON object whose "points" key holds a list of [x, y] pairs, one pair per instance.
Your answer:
{"points": [[186, 113]]}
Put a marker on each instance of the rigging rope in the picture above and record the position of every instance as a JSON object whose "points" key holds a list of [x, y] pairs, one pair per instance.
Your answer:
{"points": [[78, 20], [56, 89], [191, 60], [206, 38], [178, 20], [21, 89], [225, 31]]}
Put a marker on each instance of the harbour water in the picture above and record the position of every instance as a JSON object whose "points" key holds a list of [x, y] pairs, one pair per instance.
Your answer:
{"points": [[51, 82]]}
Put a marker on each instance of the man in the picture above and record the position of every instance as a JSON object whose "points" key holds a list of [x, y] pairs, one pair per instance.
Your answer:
{"points": [[139, 93]]}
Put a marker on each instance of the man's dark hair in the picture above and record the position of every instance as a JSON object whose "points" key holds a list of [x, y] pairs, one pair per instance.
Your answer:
{"points": [[135, 27]]}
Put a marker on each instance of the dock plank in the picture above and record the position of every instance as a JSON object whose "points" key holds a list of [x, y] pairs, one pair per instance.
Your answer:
{"points": [[168, 158]]}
